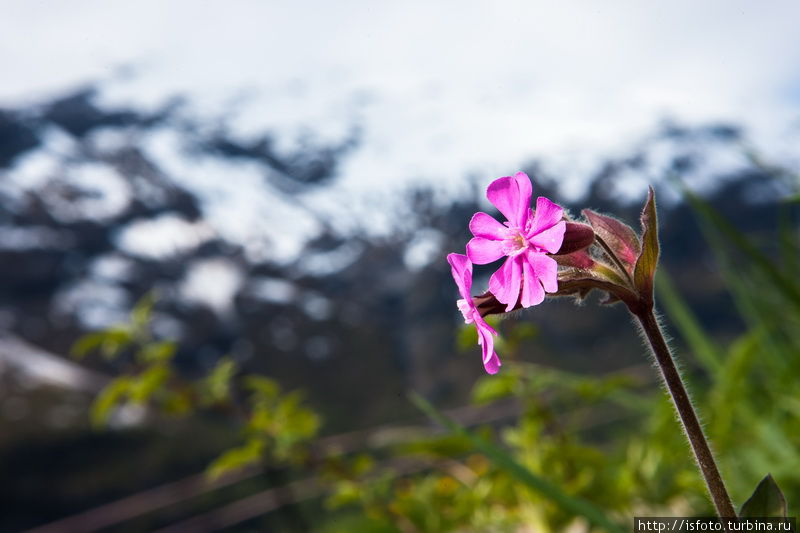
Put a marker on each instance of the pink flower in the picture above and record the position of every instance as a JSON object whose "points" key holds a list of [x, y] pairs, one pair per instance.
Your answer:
{"points": [[525, 239], [462, 274]]}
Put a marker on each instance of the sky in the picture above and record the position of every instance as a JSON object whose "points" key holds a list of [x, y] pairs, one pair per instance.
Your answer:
{"points": [[439, 90]]}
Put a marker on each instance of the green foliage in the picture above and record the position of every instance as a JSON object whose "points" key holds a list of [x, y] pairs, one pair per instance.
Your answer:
{"points": [[575, 450], [719, 228], [276, 427], [215, 388], [507, 463], [109, 343], [503, 386], [110, 397], [701, 346], [248, 454], [537, 472], [157, 352], [750, 409], [112, 342], [141, 315], [613, 442]]}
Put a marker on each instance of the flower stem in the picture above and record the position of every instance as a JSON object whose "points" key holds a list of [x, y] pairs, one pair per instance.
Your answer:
{"points": [[691, 425]]}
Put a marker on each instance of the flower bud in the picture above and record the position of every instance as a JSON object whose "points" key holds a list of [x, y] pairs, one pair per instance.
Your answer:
{"points": [[488, 304], [576, 237]]}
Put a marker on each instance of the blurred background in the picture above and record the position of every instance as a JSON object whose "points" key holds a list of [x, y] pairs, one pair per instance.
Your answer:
{"points": [[277, 185]]}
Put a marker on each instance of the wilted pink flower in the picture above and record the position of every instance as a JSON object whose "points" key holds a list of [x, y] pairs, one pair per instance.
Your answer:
{"points": [[524, 239], [462, 274]]}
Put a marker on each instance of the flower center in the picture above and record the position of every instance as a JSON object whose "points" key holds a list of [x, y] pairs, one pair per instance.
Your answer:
{"points": [[514, 243], [466, 310]]}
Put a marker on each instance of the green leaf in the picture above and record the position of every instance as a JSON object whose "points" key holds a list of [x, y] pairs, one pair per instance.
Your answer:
{"points": [[157, 352], [142, 313], [216, 387], [115, 340], [441, 446], [87, 343], [248, 454], [646, 263], [344, 493], [503, 460], [147, 383], [263, 387], [113, 394], [176, 402], [766, 501]]}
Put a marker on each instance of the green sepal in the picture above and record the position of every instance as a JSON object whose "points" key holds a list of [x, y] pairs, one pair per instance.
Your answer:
{"points": [[645, 270]]}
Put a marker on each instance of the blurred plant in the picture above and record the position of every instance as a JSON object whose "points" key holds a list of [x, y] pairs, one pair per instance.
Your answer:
{"points": [[623, 266], [542, 473], [586, 452], [276, 426], [565, 451]]}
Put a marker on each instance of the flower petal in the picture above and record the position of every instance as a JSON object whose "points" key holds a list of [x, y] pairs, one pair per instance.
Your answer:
{"points": [[497, 281], [504, 195], [483, 251], [547, 214], [512, 196], [532, 291], [483, 225], [515, 280], [546, 270], [491, 362], [483, 326], [525, 193], [462, 273], [551, 238], [504, 283]]}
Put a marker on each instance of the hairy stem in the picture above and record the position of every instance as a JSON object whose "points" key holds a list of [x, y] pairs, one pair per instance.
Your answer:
{"points": [[691, 425]]}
